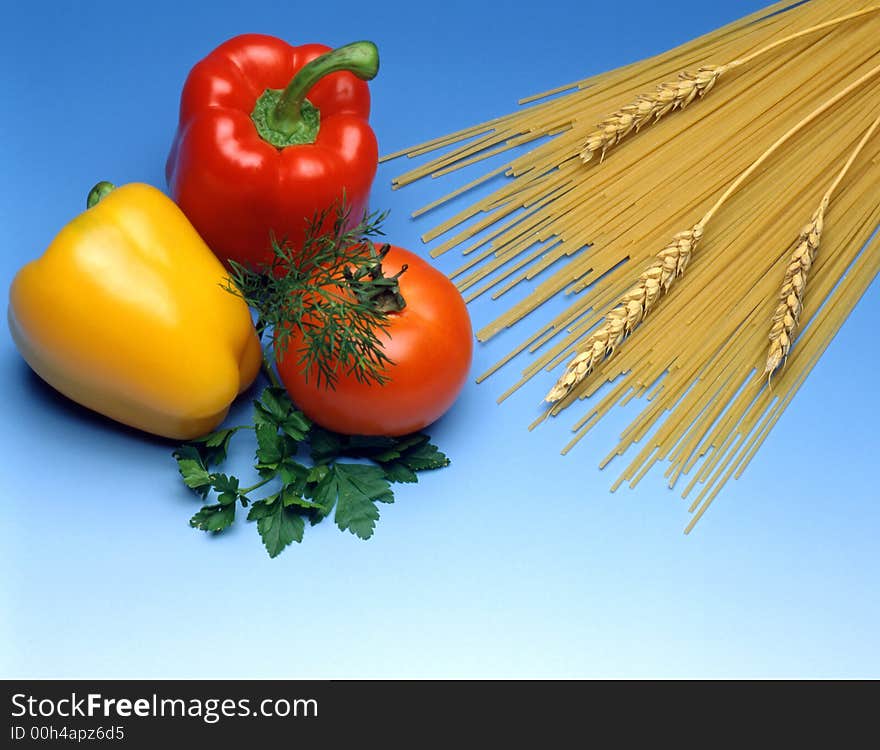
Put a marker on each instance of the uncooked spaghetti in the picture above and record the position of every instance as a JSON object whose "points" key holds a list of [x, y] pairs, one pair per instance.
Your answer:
{"points": [[590, 229]]}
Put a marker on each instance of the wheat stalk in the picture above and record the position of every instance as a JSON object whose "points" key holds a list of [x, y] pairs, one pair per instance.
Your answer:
{"points": [[672, 95], [668, 97], [632, 308], [791, 296], [788, 311]]}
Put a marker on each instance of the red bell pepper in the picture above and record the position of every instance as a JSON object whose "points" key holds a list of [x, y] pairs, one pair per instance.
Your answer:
{"points": [[253, 156]]}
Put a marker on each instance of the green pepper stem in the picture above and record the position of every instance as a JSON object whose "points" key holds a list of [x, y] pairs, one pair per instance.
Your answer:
{"points": [[360, 58], [100, 191]]}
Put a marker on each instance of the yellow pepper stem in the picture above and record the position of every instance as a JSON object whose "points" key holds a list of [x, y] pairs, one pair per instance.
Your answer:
{"points": [[100, 191]]}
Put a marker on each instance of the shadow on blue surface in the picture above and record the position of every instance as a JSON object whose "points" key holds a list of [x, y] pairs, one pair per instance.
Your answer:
{"points": [[34, 387]]}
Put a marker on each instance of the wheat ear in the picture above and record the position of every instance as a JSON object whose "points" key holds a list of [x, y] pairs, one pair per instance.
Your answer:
{"points": [[672, 95], [630, 118], [791, 296], [630, 310], [785, 318], [671, 262]]}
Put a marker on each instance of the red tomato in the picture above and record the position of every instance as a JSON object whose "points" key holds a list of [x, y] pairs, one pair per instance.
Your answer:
{"points": [[430, 343]]}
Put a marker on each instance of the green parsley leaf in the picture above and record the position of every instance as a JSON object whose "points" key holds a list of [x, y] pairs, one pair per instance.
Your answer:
{"points": [[214, 446], [272, 407], [396, 471], [192, 469], [354, 490], [324, 493], [424, 457], [270, 446], [275, 408], [369, 445], [278, 525], [416, 453], [214, 517], [290, 497], [294, 476], [226, 487], [296, 426], [398, 447], [325, 445]]}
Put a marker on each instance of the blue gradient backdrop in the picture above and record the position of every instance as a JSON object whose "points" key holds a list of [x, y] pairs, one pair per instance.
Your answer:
{"points": [[514, 562]]}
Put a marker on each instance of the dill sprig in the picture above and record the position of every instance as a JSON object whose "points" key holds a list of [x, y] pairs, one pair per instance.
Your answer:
{"points": [[332, 291]]}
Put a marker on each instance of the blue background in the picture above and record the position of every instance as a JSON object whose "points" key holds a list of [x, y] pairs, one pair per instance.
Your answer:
{"points": [[515, 561]]}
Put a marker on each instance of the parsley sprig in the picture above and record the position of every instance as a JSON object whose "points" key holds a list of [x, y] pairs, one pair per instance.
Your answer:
{"points": [[331, 291], [300, 471]]}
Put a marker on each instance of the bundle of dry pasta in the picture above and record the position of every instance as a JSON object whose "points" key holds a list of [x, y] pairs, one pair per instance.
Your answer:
{"points": [[614, 209]]}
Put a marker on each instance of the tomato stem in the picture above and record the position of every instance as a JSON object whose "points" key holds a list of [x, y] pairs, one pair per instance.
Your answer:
{"points": [[372, 287]]}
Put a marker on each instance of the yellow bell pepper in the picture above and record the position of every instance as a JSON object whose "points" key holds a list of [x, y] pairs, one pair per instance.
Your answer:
{"points": [[125, 314]]}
